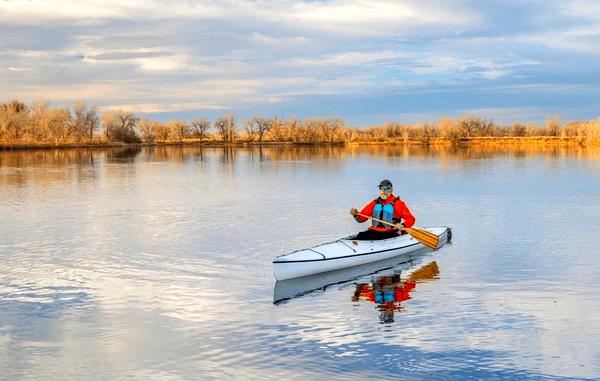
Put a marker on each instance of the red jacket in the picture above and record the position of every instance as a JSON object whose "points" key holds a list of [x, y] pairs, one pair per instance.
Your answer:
{"points": [[400, 211]]}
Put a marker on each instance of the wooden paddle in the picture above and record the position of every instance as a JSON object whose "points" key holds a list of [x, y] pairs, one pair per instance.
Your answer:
{"points": [[427, 238]]}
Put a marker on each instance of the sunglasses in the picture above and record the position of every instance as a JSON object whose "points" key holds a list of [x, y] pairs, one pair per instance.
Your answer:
{"points": [[385, 187]]}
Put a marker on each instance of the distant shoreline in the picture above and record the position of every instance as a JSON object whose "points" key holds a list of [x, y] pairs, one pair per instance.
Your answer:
{"points": [[553, 141], [41, 126]]}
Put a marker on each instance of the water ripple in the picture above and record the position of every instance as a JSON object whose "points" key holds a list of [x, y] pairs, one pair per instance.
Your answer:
{"points": [[156, 264]]}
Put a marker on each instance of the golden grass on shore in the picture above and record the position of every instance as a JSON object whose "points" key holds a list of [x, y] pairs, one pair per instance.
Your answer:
{"points": [[489, 140], [549, 141]]}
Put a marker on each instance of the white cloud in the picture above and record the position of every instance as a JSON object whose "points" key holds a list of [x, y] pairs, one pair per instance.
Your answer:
{"points": [[109, 90], [507, 115], [581, 9], [236, 54], [493, 74], [381, 13], [278, 41], [19, 69], [170, 63], [98, 11], [164, 107], [34, 12], [345, 58], [27, 53], [380, 18], [157, 59], [579, 39], [365, 17]]}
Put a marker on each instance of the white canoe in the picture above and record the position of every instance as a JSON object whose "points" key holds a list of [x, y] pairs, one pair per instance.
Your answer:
{"points": [[347, 252]]}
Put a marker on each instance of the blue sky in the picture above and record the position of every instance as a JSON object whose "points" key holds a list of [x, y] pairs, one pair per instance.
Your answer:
{"points": [[364, 61]]}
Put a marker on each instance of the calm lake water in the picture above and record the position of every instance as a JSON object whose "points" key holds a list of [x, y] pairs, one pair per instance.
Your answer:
{"points": [[155, 264]]}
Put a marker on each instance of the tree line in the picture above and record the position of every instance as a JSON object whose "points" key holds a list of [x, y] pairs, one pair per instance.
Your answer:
{"points": [[40, 123]]}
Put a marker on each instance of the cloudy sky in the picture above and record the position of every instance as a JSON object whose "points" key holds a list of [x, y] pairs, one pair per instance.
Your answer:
{"points": [[365, 61]]}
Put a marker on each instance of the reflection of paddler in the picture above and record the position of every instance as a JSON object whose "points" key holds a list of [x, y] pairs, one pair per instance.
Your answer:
{"points": [[389, 291], [385, 289]]}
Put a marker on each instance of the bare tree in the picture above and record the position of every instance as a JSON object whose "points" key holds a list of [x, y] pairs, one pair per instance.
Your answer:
{"points": [[250, 129], [553, 125], [50, 124], [201, 127], [258, 126], [60, 120], [179, 129], [472, 126], [14, 117], [426, 133], [394, 130], [331, 130], [40, 119], [277, 132], [84, 121], [78, 117], [451, 130], [226, 128], [263, 126], [294, 128], [147, 130], [161, 131], [120, 126], [309, 131], [518, 129]]}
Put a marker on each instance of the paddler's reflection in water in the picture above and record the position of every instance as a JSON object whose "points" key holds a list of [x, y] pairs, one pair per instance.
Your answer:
{"points": [[389, 291]]}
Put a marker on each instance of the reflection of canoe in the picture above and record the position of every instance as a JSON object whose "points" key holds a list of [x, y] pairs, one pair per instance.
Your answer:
{"points": [[346, 252], [404, 265]]}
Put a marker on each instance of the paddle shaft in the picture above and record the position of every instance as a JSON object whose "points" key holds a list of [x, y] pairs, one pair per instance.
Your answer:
{"points": [[378, 220], [426, 238]]}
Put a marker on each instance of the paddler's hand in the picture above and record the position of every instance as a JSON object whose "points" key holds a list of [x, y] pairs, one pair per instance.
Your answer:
{"points": [[399, 226], [353, 211]]}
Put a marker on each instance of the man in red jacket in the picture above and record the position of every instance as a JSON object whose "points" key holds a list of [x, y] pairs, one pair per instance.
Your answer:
{"points": [[386, 207]]}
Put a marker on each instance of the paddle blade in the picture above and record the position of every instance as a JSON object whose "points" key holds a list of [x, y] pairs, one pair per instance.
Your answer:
{"points": [[427, 238]]}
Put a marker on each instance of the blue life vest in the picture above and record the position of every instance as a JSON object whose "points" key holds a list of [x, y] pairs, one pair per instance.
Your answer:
{"points": [[385, 296], [384, 212]]}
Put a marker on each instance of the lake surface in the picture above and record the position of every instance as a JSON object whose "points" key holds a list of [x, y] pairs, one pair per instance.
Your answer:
{"points": [[155, 264]]}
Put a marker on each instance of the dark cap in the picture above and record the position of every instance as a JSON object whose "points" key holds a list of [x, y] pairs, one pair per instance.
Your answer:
{"points": [[385, 184]]}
